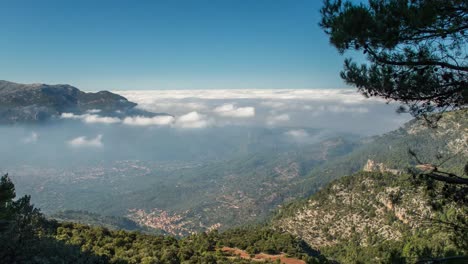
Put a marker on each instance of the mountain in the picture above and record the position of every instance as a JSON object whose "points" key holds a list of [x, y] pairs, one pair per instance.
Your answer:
{"points": [[377, 217], [446, 144], [39, 102], [380, 212]]}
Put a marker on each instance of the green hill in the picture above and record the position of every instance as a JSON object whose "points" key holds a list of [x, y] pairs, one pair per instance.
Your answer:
{"points": [[447, 144], [382, 214], [376, 216]]}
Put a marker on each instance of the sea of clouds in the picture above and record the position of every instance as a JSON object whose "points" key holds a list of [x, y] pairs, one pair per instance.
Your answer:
{"points": [[201, 124], [336, 109], [292, 111]]}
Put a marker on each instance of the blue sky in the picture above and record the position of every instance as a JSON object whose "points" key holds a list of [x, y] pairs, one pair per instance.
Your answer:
{"points": [[172, 44]]}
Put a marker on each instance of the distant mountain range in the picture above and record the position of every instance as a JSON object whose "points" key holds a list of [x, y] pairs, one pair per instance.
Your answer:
{"points": [[31, 103]]}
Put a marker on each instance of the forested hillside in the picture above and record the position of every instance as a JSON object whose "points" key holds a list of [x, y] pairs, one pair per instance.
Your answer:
{"points": [[381, 212], [378, 216], [447, 143]]}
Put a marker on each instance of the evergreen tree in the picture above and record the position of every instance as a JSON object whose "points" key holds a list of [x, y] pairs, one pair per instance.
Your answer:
{"points": [[416, 49], [416, 55], [7, 194]]}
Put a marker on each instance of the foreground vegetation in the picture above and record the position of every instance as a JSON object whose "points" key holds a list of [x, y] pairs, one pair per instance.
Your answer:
{"points": [[368, 216], [30, 238]]}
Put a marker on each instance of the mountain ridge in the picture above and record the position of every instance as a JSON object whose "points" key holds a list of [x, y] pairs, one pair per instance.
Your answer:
{"points": [[374, 210], [33, 103], [375, 216]]}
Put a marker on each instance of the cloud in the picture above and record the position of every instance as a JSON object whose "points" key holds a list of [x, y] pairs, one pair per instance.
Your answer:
{"points": [[349, 96], [160, 120], [70, 116], [297, 134], [273, 104], [93, 111], [85, 142], [272, 120], [100, 119], [326, 110], [32, 138], [344, 110], [149, 121], [231, 111], [192, 120], [91, 118]]}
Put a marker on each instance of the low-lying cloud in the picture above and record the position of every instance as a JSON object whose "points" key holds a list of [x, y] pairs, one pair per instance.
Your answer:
{"points": [[100, 119], [148, 121], [277, 118], [230, 110], [297, 133], [344, 95], [192, 120], [93, 111], [83, 141], [92, 118], [343, 110], [70, 116]]}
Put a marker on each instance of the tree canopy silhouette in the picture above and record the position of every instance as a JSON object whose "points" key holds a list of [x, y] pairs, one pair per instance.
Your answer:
{"points": [[416, 50], [416, 54]]}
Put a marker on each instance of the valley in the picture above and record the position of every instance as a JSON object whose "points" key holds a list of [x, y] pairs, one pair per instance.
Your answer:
{"points": [[237, 193], [181, 198]]}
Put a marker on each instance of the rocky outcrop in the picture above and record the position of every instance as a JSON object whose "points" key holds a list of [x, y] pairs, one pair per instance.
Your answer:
{"points": [[365, 207], [372, 166], [452, 127]]}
